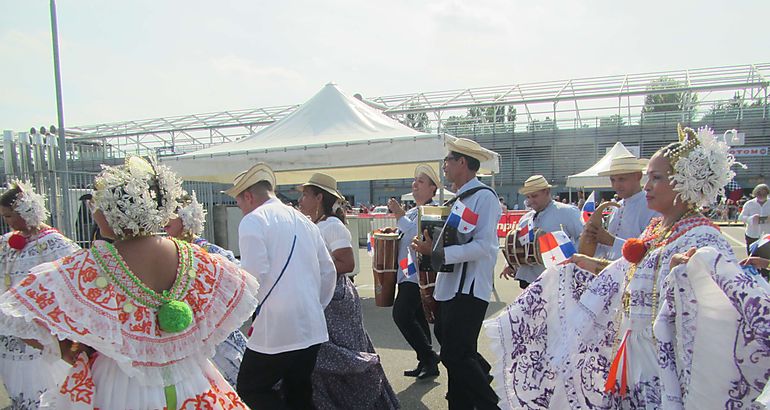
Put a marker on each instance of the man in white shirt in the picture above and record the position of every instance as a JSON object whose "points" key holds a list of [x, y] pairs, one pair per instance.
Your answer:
{"points": [[755, 215], [463, 294], [284, 250], [631, 218], [547, 216]]}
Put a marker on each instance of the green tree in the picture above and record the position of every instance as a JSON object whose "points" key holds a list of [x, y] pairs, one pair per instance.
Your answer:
{"points": [[661, 102], [417, 120]]}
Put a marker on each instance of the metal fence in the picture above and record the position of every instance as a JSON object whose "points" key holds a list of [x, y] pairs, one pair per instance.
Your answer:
{"points": [[32, 158]]}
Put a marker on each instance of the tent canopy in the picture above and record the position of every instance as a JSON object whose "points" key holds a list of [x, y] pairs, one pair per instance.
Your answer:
{"points": [[447, 195], [331, 133], [590, 178]]}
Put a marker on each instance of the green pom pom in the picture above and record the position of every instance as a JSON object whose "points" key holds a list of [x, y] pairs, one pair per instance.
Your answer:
{"points": [[175, 316]]}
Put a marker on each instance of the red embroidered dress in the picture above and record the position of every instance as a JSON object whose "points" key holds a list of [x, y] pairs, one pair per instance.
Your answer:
{"points": [[23, 370], [99, 305]]}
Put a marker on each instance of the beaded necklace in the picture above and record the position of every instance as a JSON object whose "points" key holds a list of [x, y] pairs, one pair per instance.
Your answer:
{"points": [[174, 315]]}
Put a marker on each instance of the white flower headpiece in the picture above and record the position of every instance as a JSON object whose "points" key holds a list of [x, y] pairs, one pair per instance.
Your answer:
{"points": [[29, 204], [137, 198], [193, 216], [702, 166]]}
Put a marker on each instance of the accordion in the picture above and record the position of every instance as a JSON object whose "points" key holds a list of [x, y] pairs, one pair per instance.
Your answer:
{"points": [[433, 218]]}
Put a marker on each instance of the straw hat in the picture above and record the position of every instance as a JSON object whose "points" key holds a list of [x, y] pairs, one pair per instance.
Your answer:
{"points": [[624, 165], [470, 148], [535, 183], [429, 172], [325, 182], [259, 172]]}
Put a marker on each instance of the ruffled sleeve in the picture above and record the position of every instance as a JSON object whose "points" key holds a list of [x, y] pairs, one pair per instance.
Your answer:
{"points": [[336, 235], [75, 298]]}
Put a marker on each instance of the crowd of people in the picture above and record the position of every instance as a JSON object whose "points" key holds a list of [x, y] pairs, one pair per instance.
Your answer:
{"points": [[655, 311]]}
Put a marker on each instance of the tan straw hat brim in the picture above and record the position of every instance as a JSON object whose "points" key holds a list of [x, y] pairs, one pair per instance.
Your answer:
{"points": [[325, 182], [470, 148], [535, 183], [624, 165], [259, 172], [429, 172]]}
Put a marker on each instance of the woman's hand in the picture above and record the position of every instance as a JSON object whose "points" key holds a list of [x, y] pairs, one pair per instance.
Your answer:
{"points": [[756, 261], [586, 262], [682, 258], [70, 350]]}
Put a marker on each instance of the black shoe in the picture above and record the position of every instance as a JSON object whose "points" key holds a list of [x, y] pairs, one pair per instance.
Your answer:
{"points": [[414, 372], [430, 369]]}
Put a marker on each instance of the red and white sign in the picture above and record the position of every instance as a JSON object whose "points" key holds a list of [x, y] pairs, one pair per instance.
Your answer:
{"points": [[507, 221], [749, 151]]}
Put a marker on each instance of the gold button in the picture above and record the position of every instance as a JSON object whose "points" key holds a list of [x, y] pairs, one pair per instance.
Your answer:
{"points": [[129, 307]]}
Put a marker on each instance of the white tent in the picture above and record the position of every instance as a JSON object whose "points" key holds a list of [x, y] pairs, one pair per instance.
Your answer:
{"points": [[331, 133], [590, 178], [445, 192]]}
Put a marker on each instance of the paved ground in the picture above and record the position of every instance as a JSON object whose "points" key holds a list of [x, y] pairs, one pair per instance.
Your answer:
{"points": [[397, 355]]}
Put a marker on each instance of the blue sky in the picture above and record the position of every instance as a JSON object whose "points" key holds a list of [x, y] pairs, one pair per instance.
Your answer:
{"points": [[137, 59]]}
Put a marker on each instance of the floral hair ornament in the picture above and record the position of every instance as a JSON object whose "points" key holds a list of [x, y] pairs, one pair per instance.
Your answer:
{"points": [[29, 204], [702, 166], [137, 198], [193, 215]]}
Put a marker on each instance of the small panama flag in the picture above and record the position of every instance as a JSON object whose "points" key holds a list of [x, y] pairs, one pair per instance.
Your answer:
{"points": [[758, 243], [589, 207], [556, 247], [369, 244], [407, 265], [462, 218], [526, 229]]}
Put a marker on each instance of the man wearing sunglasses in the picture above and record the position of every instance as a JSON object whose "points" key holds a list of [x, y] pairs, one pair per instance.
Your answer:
{"points": [[463, 293]]}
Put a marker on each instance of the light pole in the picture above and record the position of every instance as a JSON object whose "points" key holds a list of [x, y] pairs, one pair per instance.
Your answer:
{"points": [[64, 223]]}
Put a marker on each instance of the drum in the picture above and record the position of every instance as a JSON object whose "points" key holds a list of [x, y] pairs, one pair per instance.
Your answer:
{"points": [[385, 265], [433, 218], [517, 254], [427, 285]]}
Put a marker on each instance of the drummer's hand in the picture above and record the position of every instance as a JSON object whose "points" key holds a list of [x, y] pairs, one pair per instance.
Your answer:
{"points": [[508, 273], [584, 262], [756, 261], [423, 247], [395, 207], [682, 258], [599, 234]]}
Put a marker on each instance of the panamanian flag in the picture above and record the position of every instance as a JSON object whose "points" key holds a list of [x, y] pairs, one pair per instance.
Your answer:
{"points": [[527, 229], [407, 265], [589, 207], [556, 247], [758, 243], [462, 218]]}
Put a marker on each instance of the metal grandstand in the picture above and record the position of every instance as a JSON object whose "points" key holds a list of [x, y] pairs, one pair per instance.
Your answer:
{"points": [[566, 104]]}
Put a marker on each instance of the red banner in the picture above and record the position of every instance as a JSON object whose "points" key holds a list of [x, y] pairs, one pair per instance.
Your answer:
{"points": [[507, 221]]}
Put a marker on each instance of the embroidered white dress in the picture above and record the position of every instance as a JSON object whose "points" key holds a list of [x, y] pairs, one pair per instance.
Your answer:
{"points": [[22, 368], [709, 346], [134, 360]]}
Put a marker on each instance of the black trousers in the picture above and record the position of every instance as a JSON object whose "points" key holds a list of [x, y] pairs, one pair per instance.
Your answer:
{"points": [[410, 320], [457, 329], [259, 372]]}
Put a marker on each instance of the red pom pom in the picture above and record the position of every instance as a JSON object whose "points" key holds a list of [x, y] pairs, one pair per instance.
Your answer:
{"points": [[634, 250], [17, 241]]}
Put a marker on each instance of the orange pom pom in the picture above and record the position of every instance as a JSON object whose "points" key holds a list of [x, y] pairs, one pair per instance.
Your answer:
{"points": [[634, 250]]}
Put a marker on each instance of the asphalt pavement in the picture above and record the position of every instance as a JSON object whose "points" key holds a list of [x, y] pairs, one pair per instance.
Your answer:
{"points": [[396, 355]]}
